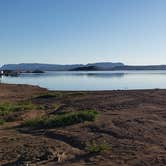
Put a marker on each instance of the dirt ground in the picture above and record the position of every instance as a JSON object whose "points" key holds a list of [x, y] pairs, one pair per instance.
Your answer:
{"points": [[131, 123]]}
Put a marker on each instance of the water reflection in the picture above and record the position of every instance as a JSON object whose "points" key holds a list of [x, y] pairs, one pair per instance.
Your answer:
{"points": [[69, 74], [105, 75], [92, 80]]}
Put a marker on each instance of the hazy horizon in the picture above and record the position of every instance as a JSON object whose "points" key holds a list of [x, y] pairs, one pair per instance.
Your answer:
{"points": [[81, 32]]}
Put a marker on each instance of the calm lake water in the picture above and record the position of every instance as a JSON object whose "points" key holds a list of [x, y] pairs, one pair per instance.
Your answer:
{"points": [[96, 80]]}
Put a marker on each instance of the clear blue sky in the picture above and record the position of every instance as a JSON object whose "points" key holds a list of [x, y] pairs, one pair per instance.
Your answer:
{"points": [[82, 31]]}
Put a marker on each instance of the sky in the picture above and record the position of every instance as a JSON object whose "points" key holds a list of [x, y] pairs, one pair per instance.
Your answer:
{"points": [[83, 31]]}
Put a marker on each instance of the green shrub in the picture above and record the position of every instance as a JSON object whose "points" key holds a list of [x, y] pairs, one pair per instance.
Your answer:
{"points": [[2, 121], [47, 95], [36, 122], [94, 147], [62, 119], [7, 108]]}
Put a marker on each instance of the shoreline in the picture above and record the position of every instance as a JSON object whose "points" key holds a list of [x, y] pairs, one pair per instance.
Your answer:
{"points": [[30, 85]]}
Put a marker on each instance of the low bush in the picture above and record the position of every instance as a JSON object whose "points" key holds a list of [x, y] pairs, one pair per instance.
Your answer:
{"points": [[47, 95], [62, 119], [93, 147], [2, 121], [7, 108]]}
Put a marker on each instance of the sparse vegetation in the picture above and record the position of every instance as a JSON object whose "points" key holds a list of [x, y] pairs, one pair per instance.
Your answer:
{"points": [[7, 108], [94, 147], [92, 142], [62, 119]]}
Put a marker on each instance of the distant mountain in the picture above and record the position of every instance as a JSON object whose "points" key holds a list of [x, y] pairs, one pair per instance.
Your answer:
{"points": [[38, 66], [30, 67], [148, 67], [105, 65], [57, 67], [119, 67], [98, 66], [85, 68]]}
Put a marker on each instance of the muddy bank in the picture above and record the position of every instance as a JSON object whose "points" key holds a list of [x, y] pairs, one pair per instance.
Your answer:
{"points": [[130, 128]]}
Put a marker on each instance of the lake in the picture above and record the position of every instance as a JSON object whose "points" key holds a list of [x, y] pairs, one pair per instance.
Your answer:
{"points": [[92, 80]]}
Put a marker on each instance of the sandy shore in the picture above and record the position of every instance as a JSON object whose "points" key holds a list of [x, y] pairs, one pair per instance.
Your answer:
{"points": [[130, 128]]}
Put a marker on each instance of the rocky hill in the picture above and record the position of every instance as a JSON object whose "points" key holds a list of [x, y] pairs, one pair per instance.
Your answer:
{"points": [[56, 67]]}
